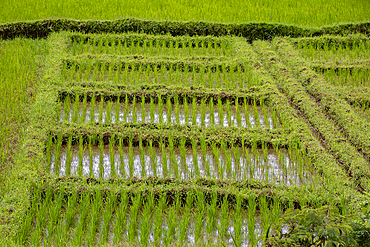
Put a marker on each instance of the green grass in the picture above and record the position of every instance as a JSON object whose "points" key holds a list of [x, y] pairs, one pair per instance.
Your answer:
{"points": [[19, 71], [303, 13]]}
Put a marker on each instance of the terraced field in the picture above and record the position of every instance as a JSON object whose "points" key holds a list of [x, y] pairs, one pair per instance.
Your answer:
{"points": [[198, 140]]}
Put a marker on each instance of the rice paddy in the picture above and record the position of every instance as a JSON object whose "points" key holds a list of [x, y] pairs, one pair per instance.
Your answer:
{"points": [[146, 222], [186, 133], [343, 64]]}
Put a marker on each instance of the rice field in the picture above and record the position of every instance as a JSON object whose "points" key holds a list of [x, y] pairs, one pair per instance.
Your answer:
{"points": [[170, 139], [307, 13], [343, 64], [146, 221]]}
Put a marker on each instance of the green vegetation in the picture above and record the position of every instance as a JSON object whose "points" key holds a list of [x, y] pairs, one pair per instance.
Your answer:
{"points": [[307, 13], [20, 70], [177, 131]]}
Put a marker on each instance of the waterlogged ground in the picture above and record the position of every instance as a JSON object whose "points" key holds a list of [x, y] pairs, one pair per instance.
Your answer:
{"points": [[226, 116], [185, 163]]}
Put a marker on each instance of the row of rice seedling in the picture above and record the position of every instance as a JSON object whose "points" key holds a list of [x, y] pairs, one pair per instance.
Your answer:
{"points": [[168, 110], [331, 41], [150, 220], [160, 133], [334, 52], [363, 109], [156, 63], [140, 39], [101, 90], [348, 77], [95, 159], [342, 60], [149, 45], [358, 98], [219, 78], [355, 96]]}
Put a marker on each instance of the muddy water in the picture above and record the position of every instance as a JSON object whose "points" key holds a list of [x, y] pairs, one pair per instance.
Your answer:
{"points": [[223, 163], [250, 116]]}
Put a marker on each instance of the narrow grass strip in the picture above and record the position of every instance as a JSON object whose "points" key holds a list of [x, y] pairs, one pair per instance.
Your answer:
{"points": [[113, 93], [136, 63], [31, 156], [160, 133], [250, 31]]}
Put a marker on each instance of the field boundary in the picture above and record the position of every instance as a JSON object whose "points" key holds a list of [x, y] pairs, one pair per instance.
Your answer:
{"points": [[250, 31]]}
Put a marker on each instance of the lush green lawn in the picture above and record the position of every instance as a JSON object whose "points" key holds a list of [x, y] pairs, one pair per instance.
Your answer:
{"points": [[303, 13]]}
